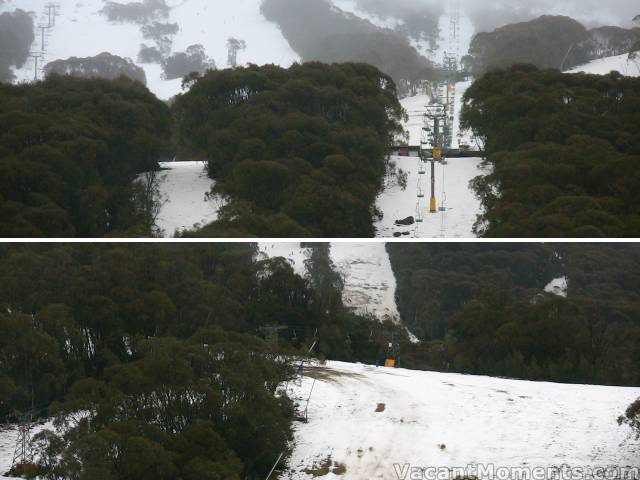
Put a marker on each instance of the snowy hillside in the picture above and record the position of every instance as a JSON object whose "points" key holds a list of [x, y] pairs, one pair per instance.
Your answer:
{"points": [[369, 283], [465, 35], [81, 30], [363, 420], [603, 66], [186, 203]]}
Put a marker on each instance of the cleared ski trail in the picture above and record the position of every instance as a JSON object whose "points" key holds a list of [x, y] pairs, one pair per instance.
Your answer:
{"points": [[451, 420]]}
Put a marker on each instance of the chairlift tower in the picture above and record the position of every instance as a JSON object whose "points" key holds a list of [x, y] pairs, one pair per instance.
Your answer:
{"points": [[450, 64], [233, 47], [392, 356], [36, 56], [22, 463], [52, 10], [431, 148]]}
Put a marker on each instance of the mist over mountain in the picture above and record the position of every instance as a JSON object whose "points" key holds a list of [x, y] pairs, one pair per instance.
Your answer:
{"points": [[487, 16], [16, 36]]}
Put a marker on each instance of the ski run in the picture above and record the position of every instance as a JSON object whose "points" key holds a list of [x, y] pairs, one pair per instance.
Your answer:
{"points": [[380, 423]]}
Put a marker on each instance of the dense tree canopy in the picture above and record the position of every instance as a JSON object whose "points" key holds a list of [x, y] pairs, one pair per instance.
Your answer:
{"points": [[547, 42], [565, 151], [104, 65], [181, 64], [69, 151], [301, 151], [482, 309], [151, 351]]}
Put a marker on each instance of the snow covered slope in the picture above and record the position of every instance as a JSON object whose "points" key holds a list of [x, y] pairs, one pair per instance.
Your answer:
{"points": [[558, 286], [81, 30], [367, 419], [603, 66], [184, 189], [452, 192], [369, 283]]}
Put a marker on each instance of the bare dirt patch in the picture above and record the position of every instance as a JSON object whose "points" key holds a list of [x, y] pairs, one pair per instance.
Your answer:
{"points": [[326, 466], [327, 374], [381, 407]]}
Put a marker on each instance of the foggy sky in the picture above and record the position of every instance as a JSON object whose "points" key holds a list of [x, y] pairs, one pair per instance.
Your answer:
{"points": [[490, 14], [592, 13]]}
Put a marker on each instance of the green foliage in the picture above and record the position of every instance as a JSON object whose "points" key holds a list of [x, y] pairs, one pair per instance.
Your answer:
{"points": [[481, 309], [104, 65], [301, 151], [564, 150], [177, 409], [147, 354], [72, 313], [69, 151], [547, 42], [181, 64], [632, 417]]}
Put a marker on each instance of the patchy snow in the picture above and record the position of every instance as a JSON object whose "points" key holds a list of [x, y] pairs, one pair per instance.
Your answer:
{"points": [[351, 6], [412, 337], [603, 66], [81, 30], [367, 419], [424, 47], [558, 286], [369, 282], [184, 189]]}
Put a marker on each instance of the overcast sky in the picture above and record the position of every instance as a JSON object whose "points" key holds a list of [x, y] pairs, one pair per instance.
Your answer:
{"points": [[489, 14]]}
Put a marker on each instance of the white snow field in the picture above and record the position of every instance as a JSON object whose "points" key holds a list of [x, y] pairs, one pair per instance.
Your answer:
{"points": [[366, 419], [81, 30], [602, 66], [369, 283], [186, 203]]}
